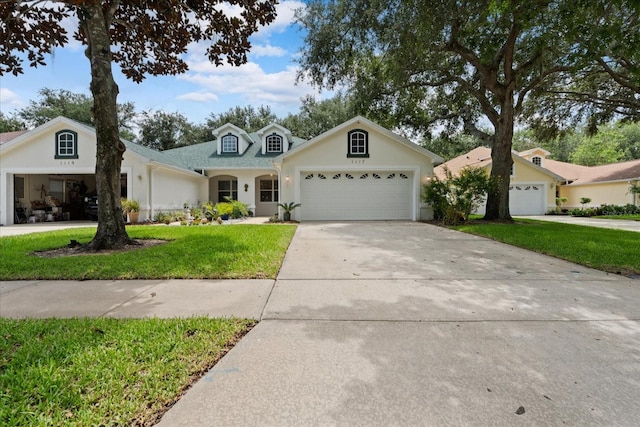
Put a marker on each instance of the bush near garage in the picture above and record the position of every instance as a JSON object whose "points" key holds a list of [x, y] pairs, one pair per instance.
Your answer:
{"points": [[456, 197]]}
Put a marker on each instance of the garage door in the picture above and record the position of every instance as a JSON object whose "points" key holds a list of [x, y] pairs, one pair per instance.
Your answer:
{"points": [[527, 199], [524, 199], [373, 195]]}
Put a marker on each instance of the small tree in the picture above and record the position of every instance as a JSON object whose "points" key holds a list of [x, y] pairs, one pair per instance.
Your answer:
{"points": [[456, 197], [584, 201]]}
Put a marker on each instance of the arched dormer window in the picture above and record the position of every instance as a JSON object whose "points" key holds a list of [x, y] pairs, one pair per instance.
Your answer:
{"points": [[66, 145], [229, 143], [274, 143], [537, 160], [358, 143]]}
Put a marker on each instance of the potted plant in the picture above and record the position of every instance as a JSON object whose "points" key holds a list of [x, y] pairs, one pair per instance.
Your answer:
{"points": [[131, 208], [288, 208]]}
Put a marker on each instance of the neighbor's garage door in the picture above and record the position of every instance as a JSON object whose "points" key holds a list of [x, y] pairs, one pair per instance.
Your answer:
{"points": [[356, 195], [526, 199]]}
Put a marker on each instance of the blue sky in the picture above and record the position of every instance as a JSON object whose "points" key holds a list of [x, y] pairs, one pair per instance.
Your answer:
{"points": [[267, 79]]}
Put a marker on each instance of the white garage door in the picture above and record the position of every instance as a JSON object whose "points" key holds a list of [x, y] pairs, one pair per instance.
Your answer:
{"points": [[356, 195], [526, 199]]}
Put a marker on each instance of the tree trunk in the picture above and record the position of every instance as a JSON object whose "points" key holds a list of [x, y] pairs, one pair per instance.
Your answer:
{"points": [[111, 231], [501, 164]]}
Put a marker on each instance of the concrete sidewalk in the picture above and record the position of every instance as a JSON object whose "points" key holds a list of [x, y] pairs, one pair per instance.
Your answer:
{"points": [[394, 323]]}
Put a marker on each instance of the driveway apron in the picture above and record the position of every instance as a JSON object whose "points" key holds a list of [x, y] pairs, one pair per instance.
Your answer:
{"points": [[395, 323]]}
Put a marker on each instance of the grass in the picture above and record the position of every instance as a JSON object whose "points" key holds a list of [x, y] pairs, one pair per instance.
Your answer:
{"points": [[615, 251], [215, 252], [627, 217], [104, 371]]}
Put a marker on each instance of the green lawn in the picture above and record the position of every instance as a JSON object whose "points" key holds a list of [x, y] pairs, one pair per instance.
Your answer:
{"points": [[615, 251], [627, 217], [207, 252], [90, 372]]}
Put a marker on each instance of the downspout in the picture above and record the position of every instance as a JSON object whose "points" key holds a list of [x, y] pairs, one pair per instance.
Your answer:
{"points": [[152, 213], [278, 167]]}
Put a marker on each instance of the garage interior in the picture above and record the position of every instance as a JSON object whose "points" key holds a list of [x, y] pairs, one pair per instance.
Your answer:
{"points": [[56, 197]]}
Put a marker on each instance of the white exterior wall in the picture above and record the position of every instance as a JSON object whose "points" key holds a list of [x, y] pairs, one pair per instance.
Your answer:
{"points": [[330, 154], [169, 190]]}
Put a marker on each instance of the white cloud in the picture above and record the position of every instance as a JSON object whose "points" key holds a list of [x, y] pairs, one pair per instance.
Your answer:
{"points": [[10, 100], [199, 97], [285, 15], [249, 83], [258, 51]]}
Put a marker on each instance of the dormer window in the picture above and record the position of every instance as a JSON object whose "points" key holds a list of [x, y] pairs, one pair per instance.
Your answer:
{"points": [[66, 145], [537, 160], [274, 143], [358, 141], [229, 143]]}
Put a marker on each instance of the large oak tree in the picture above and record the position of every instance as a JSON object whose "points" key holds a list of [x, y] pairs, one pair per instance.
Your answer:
{"points": [[143, 38], [470, 64]]}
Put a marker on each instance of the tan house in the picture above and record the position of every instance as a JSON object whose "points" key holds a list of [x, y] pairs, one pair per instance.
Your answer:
{"points": [[536, 180], [355, 171]]}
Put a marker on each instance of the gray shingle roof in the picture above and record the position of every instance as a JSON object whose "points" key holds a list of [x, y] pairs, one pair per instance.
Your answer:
{"points": [[205, 156]]}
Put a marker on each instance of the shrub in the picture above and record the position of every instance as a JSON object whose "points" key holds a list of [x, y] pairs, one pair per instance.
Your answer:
{"points": [[454, 198], [224, 208]]}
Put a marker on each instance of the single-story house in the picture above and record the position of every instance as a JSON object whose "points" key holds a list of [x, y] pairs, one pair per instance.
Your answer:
{"points": [[355, 171], [536, 180]]}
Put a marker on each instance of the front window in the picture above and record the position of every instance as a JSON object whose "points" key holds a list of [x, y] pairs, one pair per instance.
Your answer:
{"points": [[227, 188], [274, 143], [358, 143], [269, 190], [66, 145], [229, 144]]}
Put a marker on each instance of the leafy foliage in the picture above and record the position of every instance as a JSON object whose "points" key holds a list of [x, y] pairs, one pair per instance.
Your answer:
{"points": [[143, 38], [163, 131], [247, 118], [490, 61], [456, 197]]}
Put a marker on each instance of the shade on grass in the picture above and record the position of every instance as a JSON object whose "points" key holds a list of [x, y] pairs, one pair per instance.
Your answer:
{"points": [[616, 251], [90, 372], [205, 252]]}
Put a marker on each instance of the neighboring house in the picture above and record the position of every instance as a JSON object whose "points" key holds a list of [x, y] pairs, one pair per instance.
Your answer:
{"points": [[532, 190], [536, 180], [604, 184], [356, 171]]}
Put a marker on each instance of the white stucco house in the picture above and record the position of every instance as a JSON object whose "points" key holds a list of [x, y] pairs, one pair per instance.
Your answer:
{"points": [[355, 171]]}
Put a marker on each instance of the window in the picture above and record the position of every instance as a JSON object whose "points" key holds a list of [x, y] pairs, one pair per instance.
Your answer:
{"points": [[66, 145], [229, 144], [274, 143], [268, 190], [537, 160], [227, 188], [358, 143]]}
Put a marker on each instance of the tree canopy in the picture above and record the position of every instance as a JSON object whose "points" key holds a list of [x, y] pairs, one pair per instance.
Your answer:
{"points": [[143, 38], [455, 64]]}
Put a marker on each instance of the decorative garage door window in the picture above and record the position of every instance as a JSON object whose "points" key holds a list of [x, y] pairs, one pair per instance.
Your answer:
{"points": [[524, 187], [66, 145], [368, 175], [268, 190]]}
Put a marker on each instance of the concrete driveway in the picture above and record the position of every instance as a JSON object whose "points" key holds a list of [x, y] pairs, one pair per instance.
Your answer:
{"points": [[392, 323]]}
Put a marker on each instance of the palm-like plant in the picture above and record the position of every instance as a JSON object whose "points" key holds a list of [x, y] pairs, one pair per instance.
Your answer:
{"points": [[288, 208]]}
